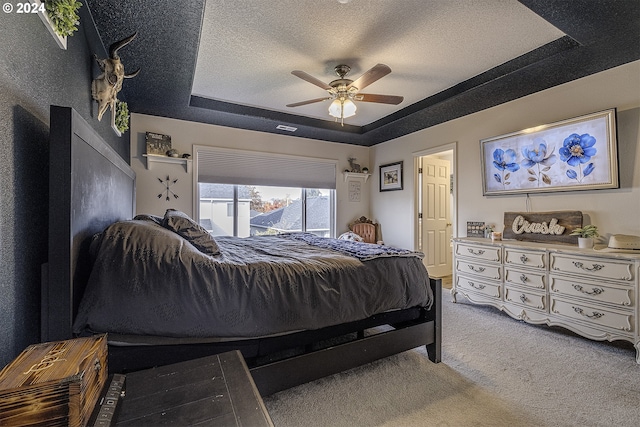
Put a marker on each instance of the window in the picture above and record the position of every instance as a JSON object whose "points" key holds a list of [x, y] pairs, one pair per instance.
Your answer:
{"points": [[245, 210], [245, 193]]}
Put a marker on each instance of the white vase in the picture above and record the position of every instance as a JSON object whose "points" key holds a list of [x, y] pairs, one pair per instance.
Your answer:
{"points": [[585, 242]]}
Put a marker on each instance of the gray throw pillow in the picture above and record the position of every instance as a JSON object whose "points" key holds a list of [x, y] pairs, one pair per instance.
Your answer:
{"points": [[182, 224]]}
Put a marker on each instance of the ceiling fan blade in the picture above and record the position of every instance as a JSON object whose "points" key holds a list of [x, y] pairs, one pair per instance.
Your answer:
{"points": [[311, 101], [375, 73], [309, 78], [382, 99]]}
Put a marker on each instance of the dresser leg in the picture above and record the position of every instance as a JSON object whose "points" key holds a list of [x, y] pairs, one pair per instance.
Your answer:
{"points": [[637, 346], [453, 295]]}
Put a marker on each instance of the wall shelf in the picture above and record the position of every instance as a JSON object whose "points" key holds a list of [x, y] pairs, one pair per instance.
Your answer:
{"points": [[348, 175], [151, 158]]}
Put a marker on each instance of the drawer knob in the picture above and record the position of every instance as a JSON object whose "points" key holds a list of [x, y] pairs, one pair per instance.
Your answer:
{"points": [[476, 269], [480, 286], [524, 258], [523, 278], [594, 315], [523, 298], [474, 252], [594, 267], [594, 291]]}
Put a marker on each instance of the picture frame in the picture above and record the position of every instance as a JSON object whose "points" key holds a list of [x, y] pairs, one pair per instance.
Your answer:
{"points": [[391, 178], [475, 228], [355, 191], [157, 144], [573, 154]]}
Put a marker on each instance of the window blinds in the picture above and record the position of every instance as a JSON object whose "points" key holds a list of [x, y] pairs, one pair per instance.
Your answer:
{"points": [[229, 166]]}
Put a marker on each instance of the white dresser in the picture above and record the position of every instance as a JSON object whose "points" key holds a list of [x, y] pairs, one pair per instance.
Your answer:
{"points": [[594, 294]]}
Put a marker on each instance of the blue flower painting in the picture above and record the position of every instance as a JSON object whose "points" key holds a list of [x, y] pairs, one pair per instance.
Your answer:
{"points": [[577, 150], [538, 159], [505, 161], [573, 154]]}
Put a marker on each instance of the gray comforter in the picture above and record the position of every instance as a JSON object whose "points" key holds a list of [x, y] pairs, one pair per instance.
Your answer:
{"points": [[147, 280]]}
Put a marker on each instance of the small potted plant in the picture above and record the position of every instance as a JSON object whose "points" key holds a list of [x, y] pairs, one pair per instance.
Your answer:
{"points": [[488, 229], [64, 15], [122, 116], [586, 235]]}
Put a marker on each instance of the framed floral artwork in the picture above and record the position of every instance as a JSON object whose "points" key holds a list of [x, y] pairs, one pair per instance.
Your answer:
{"points": [[575, 154], [391, 177]]}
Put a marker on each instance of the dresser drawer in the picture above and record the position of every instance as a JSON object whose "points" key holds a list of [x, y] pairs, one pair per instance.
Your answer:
{"points": [[480, 252], [618, 321], [525, 298], [525, 258], [532, 278], [595, 291], [487, 271], [593, 267], [471, 284]]}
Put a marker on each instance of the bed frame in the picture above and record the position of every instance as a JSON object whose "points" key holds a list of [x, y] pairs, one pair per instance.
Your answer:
{"points": [[91, 186]]}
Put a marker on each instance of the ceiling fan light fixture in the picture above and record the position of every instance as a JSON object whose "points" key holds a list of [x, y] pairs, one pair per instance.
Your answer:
{"points": [[343, 91], [342, 109], [348, 108], [335, 109]]}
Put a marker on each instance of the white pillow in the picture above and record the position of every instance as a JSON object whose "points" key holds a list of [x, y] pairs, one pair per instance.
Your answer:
{"points": [[350, 235]]}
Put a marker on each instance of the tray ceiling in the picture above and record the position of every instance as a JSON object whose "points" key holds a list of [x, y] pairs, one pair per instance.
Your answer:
{"points": [[229, 63]]}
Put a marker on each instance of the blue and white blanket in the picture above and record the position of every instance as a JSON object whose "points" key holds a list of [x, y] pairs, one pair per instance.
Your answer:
{"points": [[359, 250]]}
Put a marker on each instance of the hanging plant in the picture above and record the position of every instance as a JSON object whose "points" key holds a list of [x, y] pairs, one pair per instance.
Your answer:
{"points": [[122, 116], [63, 14]]}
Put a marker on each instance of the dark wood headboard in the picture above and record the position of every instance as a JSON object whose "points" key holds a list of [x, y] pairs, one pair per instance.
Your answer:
{"points": [[90, 187]]}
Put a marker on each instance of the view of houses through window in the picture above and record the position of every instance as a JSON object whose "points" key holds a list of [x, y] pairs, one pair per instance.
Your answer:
{"points": [[247, 210]]}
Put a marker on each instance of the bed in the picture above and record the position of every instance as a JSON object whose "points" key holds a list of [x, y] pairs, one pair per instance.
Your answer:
{"points": [[329, 319]]}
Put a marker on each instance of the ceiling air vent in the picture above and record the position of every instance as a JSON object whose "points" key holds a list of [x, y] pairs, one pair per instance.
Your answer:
{"points": [[287, 128]]}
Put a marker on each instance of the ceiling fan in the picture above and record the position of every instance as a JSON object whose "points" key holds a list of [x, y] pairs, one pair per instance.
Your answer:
{"points": [[344, 91]]}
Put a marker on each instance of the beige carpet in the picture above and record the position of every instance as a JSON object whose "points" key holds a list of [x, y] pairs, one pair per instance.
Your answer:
{"points": [[496, 371]]}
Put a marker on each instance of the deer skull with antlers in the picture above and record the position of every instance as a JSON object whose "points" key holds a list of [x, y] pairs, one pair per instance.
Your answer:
{"points": [[106, 86]]}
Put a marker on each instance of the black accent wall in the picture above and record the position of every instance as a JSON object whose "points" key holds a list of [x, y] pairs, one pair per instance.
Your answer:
{"points": [[35, 73]]}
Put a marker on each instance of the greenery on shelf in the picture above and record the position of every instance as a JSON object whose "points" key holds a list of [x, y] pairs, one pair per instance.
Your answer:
{"points": [[586, 231], [122, 116], [63, 14]]}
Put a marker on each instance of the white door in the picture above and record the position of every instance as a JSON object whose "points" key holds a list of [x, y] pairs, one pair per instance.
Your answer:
{"points": [[436, 215]]}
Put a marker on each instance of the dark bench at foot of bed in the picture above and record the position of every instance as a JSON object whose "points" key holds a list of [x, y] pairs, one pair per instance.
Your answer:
{"points": [[214, 390]]}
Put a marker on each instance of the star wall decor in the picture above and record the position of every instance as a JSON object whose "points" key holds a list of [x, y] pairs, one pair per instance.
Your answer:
{"points": [[168, 182]]}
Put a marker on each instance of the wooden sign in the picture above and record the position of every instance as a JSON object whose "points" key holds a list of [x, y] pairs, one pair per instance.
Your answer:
{"points": [[545, 227]]}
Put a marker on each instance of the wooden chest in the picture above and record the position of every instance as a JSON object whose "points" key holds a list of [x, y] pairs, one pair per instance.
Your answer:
{"points": [[54, 384]]}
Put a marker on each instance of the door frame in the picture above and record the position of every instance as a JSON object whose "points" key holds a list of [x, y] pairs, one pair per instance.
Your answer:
{"points": [[417, 230]]}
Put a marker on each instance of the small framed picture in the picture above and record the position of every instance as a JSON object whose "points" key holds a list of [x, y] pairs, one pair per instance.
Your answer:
{"points": [[391, 177], [355, 191], [475, 228], [157, 144]]}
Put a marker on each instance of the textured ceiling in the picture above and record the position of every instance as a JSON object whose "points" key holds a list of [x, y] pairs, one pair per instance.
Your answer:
{"points": [[249, 48], [229, 63]]}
